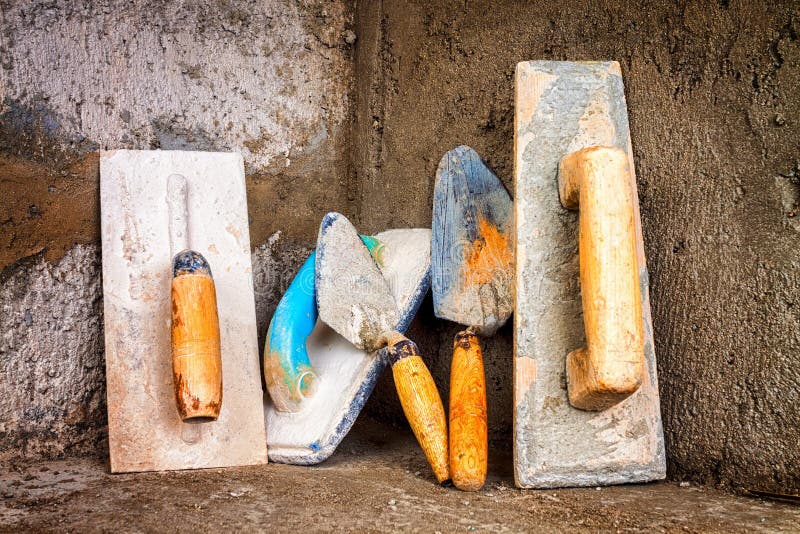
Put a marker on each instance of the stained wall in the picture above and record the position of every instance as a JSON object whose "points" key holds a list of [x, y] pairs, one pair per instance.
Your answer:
{"points": [[270, 79], [349, 107], [712, 91]]}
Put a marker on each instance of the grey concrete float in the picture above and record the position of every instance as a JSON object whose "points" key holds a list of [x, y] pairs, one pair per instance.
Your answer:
{"points": [[561, 107]]}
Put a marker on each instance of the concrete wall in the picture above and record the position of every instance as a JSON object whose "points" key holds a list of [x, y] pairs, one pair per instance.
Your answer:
{"points": [[270, 79], [348, 107], [712, 91]]}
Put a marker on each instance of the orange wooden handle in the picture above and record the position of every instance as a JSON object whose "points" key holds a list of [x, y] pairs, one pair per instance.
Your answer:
{"points": [[469, 447], [421, 404], [597, 181], [196, 358]]}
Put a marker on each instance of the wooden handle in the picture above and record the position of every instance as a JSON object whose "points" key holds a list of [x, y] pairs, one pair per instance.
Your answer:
{"points": [[611, 367], [469, 447], [421, 403], [196, 358]]}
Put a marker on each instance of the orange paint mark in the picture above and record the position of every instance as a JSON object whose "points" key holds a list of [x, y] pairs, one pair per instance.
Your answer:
{"points": [[489, 256]]}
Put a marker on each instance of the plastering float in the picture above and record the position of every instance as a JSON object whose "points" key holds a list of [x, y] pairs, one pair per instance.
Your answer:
{"points": [[583, 416], [139, 241], [317, 380]]}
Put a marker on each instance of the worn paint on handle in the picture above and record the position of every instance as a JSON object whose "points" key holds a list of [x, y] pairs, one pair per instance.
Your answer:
{"points": [[196, 357], [288, 372], [469, 448], [421, 402]]}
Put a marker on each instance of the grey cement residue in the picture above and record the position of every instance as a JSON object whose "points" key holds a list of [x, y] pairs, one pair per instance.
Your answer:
{"points": [[52, 373], [352, 295], [556, 444]]}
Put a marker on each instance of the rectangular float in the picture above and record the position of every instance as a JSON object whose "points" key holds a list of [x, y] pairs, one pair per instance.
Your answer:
{"points": [[145, 430], [560, 108]]}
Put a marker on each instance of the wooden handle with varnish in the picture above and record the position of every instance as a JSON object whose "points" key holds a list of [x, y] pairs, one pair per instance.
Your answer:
{"points": [[596, 180], [469, 448], [421, 402], [196, 357]]}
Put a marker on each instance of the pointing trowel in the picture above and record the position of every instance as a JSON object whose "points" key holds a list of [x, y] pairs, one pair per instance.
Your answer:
{"points": [[356, 301], [472, 269]]}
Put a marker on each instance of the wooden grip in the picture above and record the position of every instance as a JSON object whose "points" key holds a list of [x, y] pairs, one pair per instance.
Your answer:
{"points": [[421, 404], [469, 448], [196, 358], [610, 368]]}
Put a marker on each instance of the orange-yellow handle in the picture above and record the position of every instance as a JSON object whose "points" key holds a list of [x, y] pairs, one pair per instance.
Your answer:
{"points": [[469, 447], [196, 358], [421, 403], [597, 181]]}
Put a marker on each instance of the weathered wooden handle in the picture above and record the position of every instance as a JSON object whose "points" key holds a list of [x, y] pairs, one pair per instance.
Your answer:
{"points": [[596, 180], [469, 447], [196, 358], [421, 402]]}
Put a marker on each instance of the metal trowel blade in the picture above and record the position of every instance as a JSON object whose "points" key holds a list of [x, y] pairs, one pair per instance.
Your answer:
{"points": [[472, 257], [352, 295]]}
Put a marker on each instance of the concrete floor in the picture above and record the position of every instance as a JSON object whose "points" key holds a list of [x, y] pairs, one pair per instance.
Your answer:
{"points": [[377, 481]]}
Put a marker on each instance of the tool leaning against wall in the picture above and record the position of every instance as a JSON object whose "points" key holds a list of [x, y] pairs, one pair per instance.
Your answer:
{"points": [[355, 300], [318, 381], [572, 149], [180, 346], [472, 270]]}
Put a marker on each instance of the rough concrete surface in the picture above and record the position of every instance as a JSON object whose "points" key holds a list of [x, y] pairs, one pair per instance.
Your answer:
{"points": [[52, 374], [268, 79], [379, 481], [353, 297], [712, 97]]}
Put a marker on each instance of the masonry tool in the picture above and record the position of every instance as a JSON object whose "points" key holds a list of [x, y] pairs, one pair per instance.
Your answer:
{"points": [[472, 269], [583, 416], [318, 381], [167, 218], [357, 302]]}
